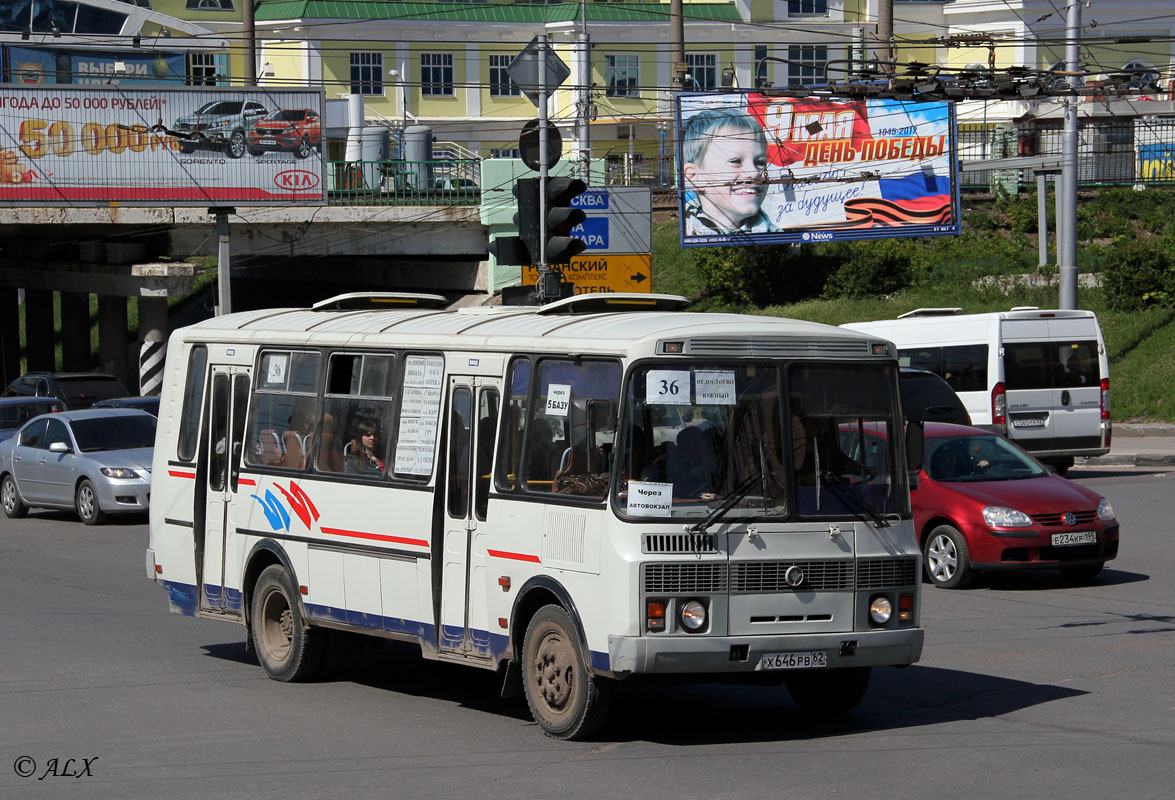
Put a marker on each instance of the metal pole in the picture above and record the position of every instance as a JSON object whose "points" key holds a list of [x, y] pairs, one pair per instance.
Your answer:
{"points": [[676, 47], [250, 31], [543, 266], [1067, 225], [223, 268], [1042, 218], [583, 102], [885, 49]]}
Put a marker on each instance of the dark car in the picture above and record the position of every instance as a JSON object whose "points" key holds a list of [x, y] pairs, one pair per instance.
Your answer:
{"points": [[16, 411], [148, 404], [78, 390], [983, 504], [928, 398], [298, 130]]}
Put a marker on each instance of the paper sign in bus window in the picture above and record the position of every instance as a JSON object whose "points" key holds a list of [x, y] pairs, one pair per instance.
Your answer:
{"points": [[714, 388], [668, 387], [558, 399], [647, 499], [275, 373]]}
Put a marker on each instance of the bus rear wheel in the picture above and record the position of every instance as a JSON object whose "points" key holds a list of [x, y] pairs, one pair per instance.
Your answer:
{"points": [[828, 691], [288, 649], [565, 699]]}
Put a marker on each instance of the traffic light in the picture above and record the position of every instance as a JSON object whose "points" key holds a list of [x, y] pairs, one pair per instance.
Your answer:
{"points": [[561, 218], [521, 250]]}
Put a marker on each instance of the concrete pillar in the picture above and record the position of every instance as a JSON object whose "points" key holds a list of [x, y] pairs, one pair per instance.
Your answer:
{"points": [[153, 343], [113, 340], [9, 336], [75, 332], [38, 330]]}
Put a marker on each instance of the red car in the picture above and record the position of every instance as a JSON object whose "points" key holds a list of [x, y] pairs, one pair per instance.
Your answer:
{"points": [[295, 129], [983, 504]]}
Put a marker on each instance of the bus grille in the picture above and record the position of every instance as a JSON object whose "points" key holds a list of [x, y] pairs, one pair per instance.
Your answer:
{"points": [[678, 543], [767, 576], [886, 573]]}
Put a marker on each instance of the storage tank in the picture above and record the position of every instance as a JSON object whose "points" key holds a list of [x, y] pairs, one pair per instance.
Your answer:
{"points": [[418, 157]]}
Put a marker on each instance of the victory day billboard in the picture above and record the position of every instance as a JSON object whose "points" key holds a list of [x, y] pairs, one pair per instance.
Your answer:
{"points": [[66, 145], [756, 169]]}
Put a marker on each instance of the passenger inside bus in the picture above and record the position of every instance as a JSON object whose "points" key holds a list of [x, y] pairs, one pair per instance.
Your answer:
{"points": [[364, 455]]}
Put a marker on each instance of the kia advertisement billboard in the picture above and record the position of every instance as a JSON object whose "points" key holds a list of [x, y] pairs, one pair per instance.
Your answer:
{"points": [[69, 145], [756, 169]]}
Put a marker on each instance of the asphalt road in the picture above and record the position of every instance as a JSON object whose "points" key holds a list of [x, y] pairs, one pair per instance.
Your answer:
{"points": [[1028, 688]]}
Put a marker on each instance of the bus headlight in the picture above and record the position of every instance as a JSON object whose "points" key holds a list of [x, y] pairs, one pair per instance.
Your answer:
{"points": [[693, 616], [880, 610]]}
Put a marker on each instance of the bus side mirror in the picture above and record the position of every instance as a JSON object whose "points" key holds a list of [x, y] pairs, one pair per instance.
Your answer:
{"points": [[915, 446]]}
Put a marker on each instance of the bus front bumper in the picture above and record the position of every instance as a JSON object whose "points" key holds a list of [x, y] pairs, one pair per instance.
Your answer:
{"points": [[684, 654]]}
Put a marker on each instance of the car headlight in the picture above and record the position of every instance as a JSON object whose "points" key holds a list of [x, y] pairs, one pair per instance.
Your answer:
{"points": [[1000, 517], [1105, 511], [693, 616], [880, 610], [119, 472]]}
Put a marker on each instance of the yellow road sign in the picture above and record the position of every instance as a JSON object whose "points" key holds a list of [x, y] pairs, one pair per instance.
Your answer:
{"points": [[604, 273]]}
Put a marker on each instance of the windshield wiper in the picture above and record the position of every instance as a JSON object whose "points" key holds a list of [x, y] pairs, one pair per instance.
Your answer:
{"points": [[718, 513], [864, 508]]}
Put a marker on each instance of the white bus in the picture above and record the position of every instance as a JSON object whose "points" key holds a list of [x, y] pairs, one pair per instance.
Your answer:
{"points": [[594, 490], [1039, 377]]}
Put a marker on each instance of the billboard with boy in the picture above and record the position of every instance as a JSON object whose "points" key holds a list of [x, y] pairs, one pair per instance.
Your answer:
{"points": [[766, 170]]}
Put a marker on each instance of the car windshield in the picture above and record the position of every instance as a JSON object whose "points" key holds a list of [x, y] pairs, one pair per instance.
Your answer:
{"points": [[287, 115], [770, 442], [128, 432], [978, 457], [220, 107], [13, 415]]}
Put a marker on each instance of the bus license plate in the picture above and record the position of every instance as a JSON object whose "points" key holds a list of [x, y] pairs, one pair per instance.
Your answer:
{"points": [[1081, 537], [803, 660]]}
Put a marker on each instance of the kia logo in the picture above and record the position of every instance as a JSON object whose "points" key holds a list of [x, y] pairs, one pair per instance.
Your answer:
{"points": [[296, 180]]}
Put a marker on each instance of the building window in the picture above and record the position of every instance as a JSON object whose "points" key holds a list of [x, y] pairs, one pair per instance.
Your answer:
{"points": [[796, 8], [207, 69], [367, 73], [806, 64], [622, 75], [505, 152], [760, 57], [210, 5], [702, 69], [436, 74], [1142, 73], [500, 83]]}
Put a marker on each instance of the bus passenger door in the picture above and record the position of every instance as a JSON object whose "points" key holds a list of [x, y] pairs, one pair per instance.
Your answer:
{"points": [[471, 424], [224, 426]]}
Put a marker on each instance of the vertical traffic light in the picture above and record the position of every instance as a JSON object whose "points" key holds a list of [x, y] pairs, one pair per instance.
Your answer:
{"points": [[561, 218], [521, 250]]}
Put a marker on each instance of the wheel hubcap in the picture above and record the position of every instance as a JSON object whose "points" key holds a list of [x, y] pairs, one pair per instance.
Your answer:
{"points": [[943, 558], [277, 626], [555, 673], [86, 502], [9, 496]]}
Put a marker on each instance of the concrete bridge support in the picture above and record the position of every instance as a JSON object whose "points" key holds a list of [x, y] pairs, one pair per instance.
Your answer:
{"points": [[153, 335], [39, 336], [113, 341], [9, 335], [75, 332]]}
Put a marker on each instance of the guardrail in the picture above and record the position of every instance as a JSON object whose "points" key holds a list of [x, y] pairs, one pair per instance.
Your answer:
{"points": [[404, 183]]}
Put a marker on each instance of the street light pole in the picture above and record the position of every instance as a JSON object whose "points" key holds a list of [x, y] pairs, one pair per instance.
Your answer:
{"points": [[1067, 224], [583, 98]]}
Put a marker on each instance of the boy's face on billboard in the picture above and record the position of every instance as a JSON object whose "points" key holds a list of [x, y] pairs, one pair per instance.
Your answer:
{"points": [[730, 176]]}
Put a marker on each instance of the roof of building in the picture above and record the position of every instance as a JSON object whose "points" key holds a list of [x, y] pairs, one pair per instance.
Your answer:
{"points": [[268, 10]]}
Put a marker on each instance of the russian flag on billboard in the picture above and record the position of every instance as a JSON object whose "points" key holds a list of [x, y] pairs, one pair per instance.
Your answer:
{"points": [[919, 199]]}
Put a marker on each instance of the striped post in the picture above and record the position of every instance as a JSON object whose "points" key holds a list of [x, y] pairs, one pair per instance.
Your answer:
{"points": [[153, 334]]}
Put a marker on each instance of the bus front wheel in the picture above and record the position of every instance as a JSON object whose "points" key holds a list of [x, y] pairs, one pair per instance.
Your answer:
{"points": [[828, 691], [288, 649], [565, 699]]}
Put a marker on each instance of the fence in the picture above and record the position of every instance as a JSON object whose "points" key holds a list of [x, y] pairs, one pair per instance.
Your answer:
{"points": [[404, 183]]}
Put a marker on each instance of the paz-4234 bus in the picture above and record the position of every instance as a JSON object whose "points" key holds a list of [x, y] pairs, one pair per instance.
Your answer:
{"points": [[599, 489]]}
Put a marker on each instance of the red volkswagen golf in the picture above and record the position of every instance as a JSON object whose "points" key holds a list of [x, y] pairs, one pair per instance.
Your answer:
{"points": [[982, 504]]}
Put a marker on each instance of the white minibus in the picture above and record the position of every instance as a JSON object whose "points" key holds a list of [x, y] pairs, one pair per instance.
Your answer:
{"points": [[1039, 377], [576, 494]]}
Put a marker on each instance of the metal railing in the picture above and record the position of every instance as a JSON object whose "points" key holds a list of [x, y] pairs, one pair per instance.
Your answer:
{"points": [[404, 183]]}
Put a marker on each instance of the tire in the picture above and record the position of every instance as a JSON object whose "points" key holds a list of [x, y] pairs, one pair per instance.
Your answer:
{"points": [[565, 699], [828, 691], [236, 145], [14, 507], [1083, 574], [946, 558], [187, 149], [287, 648], [303, 148], [86, 504]]}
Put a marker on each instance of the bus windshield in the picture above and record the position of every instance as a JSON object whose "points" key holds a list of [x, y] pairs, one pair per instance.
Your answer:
{"points": [[765, 440]]}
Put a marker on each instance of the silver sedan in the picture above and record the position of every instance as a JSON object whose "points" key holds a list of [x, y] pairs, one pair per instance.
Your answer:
{"points": [[97, 462]]}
